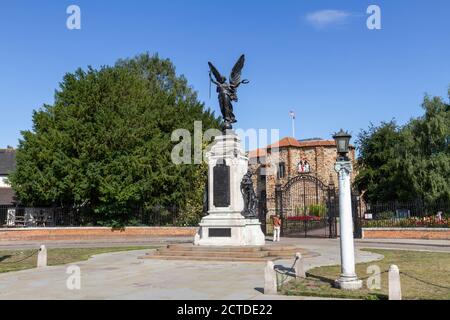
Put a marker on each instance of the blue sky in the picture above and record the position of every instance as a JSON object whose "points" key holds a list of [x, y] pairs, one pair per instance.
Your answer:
{"points": [[314, 57]]}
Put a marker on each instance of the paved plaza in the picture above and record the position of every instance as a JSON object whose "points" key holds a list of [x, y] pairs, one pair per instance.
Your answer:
{"points": [[123, 275]]}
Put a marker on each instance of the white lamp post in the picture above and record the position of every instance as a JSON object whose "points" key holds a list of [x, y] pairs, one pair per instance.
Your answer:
{"points": [[348, 279]]}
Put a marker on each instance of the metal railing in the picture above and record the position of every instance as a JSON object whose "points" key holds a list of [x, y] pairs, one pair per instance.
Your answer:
{"points": [[415, 214], [28, 217]]}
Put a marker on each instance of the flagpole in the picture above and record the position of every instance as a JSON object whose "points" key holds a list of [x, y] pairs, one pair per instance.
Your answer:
{"points": [[293, 127], [292, 115]]}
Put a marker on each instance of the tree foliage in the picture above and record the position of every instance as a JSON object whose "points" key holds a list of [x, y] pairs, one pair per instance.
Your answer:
{"points": [[106, 141], [410, 162]]}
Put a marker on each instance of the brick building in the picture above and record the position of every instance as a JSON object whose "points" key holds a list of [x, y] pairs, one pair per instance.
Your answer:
{"points": [[7, 164], [279, 163]]}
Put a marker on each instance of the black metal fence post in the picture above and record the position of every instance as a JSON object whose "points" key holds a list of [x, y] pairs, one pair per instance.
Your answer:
{"points": [[262, 207], [356, 208], [332, 220]]}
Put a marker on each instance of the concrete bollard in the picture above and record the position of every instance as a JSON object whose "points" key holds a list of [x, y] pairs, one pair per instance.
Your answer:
{"points": [[395, 289], [299, 269], [270, 279], [42, 257], [196, 239]]}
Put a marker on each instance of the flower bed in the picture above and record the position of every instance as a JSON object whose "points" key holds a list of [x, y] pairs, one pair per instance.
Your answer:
{"points": [[304, 218], [414, 222]]}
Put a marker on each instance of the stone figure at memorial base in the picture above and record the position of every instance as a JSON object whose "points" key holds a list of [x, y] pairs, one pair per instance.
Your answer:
{"points": [[250, 199]]}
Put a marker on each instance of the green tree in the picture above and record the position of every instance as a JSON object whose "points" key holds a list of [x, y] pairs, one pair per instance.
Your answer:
{"points": [[106, 142], [426, 152], [410, 162]]}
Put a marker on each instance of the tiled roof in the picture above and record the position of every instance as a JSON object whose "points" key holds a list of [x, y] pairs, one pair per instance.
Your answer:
{"points": [[291, 142], [258, 153], [7, 161], [6, 196], [318, 143], [285, 142]]}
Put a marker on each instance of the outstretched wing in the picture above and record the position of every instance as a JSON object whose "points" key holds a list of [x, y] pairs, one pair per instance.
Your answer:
{"points": [[235, 78], [216, 73]]}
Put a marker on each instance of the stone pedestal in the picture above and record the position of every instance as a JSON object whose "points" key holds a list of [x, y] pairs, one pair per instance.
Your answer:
{"points": [[224, 225], [348, 279], [253, 233]]}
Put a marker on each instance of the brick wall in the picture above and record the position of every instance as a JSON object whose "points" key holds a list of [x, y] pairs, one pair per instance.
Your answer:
{"points": [[406, 233], [93, 233]]}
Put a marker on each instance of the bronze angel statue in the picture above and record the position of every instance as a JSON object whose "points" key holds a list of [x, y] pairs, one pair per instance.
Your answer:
{"points": [[228, 91]]}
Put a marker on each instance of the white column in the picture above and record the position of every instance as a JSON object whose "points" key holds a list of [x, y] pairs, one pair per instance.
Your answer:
{"points": [[348, 279]]}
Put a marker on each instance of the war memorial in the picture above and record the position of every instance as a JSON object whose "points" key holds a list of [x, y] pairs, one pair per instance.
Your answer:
{"points": [[125, 180], [232, 201], [232, 223]]}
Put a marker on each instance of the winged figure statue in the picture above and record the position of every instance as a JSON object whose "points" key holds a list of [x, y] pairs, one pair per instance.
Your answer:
{"points": [[227, 92]]}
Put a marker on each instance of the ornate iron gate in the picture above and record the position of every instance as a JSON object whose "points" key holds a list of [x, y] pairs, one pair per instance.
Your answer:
{"points": [[308, 208]]}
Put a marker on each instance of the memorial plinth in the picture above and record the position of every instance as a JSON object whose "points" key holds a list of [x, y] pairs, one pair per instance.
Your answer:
{"points": [[225, 225]]}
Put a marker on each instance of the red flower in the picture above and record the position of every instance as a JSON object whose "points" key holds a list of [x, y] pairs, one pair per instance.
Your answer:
{"points": [[304, 218]]}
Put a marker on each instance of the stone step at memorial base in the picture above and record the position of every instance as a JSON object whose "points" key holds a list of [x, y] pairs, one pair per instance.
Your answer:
{"points": [[231, 254], [190, 253]]}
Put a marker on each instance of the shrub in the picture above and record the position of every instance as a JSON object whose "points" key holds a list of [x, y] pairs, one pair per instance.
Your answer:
{"points": [[386, 215], [317, 210]]}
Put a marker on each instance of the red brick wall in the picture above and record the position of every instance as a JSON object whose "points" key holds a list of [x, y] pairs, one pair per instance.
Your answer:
{"points": [[92, 233], [397, 233]]}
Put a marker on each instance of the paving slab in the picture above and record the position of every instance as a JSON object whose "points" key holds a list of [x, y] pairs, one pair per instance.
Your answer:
{"points": [[122, 275]]}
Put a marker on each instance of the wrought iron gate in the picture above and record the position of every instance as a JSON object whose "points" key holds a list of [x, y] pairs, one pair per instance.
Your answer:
{"points": [[308, 208]]}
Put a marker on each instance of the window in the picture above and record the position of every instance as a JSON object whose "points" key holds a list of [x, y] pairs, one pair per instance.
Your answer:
{"points": [[281, 170]]}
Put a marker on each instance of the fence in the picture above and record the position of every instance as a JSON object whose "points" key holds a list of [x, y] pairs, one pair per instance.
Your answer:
{"points": [[413, 214], [16, 217]]}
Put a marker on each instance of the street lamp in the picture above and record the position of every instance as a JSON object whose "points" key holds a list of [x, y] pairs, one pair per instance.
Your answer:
{"points": [[342, 139], [348, 279]]}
